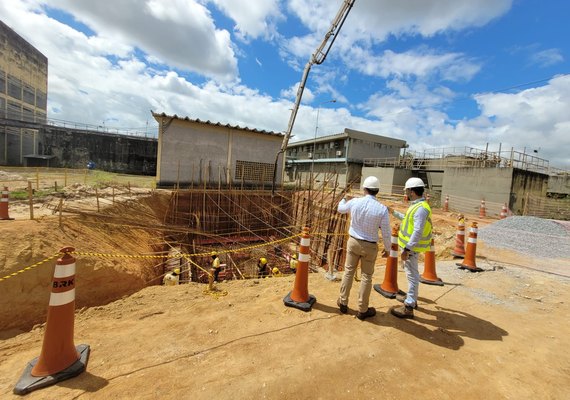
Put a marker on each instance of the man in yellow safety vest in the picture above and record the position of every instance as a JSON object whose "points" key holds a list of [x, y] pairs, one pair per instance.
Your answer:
{"points": [[414, 238]]}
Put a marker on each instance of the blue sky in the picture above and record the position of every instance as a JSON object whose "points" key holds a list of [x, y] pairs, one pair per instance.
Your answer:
{"points": [[438, 74]]}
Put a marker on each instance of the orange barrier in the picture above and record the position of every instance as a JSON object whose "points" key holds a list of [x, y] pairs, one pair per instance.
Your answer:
{"points": [[459, 250], [504, 212], [446, 204], [482, 210], [4, 203], [430, 276], [299, 297], [59, 359], [469, 260], [389, 288]]}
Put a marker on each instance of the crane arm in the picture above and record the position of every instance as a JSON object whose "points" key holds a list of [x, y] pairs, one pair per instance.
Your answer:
{"points": [[318, 57]]}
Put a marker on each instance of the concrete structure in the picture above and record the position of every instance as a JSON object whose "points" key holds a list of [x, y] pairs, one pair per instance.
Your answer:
{"points": [[193, 152], [341, 153], [23, 95], [73, 148]]}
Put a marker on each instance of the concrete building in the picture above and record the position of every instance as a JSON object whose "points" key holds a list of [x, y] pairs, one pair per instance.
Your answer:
{"points": [[342, 153], [193, 152], [469, 175], [23, 95]]}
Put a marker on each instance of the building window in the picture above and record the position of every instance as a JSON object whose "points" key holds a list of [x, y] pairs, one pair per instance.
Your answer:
{"points": [[29, 95], [2, 82], [14, 111], [14, 87], [41, 100], [253, 171]]}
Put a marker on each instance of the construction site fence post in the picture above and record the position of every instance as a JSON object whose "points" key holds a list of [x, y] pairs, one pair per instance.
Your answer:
{"points": [[31, 199]]}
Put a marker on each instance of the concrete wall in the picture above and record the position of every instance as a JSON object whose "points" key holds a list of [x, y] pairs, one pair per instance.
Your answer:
{"points": [[490, 184], [360, 149], [559, 185], [191, 152], [115, 153], [389, 177], [526, 183]]}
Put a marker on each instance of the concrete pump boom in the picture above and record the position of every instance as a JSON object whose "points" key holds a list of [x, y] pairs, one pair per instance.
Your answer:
{"points": [[316, 58]]}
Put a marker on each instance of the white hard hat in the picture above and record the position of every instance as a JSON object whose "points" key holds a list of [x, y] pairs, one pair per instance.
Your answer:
{"points": [[371, 183], [413, 183]]}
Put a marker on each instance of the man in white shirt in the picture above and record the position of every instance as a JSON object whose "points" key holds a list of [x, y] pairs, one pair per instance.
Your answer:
{"points": [[367, 215]]}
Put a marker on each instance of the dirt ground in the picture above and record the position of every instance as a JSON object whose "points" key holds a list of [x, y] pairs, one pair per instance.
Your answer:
{"points": [[498, 334]]}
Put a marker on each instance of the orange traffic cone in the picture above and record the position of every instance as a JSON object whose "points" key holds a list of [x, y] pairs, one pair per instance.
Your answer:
{"points": [[469, 260], [459, 250], [482, 211], [446, 204], [430, 276], [4, 202], [299, 297], [389, 288], [59, 359], [504, 211]]}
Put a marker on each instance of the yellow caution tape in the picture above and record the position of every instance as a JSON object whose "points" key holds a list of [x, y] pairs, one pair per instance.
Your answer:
{"points": [[29, 268]]}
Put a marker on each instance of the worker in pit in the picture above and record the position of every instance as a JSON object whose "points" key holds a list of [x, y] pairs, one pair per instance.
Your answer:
{"points": [[216, 267], [172, 278], [262, 268], [275, 272], [293, 263]]}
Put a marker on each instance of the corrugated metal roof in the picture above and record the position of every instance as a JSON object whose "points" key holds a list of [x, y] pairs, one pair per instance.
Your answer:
{"points": [[244, 128]]}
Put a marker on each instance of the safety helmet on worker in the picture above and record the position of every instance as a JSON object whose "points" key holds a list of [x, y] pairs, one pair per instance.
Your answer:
{"points": [[414, 183], [371, 183], [294, 256], [275, 270], [263, 260], [176, 271]]}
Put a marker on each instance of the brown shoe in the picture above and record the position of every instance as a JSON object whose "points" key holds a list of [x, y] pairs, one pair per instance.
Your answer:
{"points": [[367, 314], [402, 312], [401, 297]]}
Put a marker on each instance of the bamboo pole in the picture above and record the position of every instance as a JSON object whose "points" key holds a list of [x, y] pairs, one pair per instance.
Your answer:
{"points": [[31, 199], [60, 211]]}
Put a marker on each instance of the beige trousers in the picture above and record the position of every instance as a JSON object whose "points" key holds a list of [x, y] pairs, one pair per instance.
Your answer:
{"points": [[365, 252]]}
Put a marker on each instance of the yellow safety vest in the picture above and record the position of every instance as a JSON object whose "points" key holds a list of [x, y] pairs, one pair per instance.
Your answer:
{"points": [[407, 228]]}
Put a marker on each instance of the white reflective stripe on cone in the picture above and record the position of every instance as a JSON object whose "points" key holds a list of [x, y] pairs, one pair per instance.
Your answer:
{"points": [[432, 249], [305, 241], [473, 230], [59, 299], [63, 271], [460, 232], [304, 257], [394, 253], [4, 200], [472, 240], [394, 239]]}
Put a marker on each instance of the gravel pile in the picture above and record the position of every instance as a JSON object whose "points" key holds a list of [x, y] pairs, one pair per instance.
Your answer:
{"points": [[528, 235]]}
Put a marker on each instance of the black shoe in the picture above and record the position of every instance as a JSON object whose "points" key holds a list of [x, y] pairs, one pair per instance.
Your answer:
{"points": [[343, 307], [369, 313]]}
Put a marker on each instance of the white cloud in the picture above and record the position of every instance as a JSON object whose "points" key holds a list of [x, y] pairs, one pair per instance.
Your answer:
{"points": [[253, 18], [180, 33], [419, 63], [547, 58], [291, 93]]}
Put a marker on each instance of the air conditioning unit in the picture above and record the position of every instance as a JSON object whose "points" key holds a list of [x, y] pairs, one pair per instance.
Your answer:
{"points": [[339, 153], [310, 155]]}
